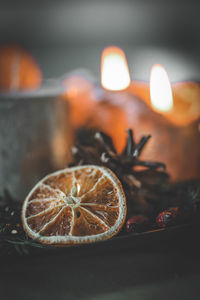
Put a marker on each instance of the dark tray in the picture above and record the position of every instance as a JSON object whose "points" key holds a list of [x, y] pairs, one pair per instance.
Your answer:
{"points": [[180, 236]]}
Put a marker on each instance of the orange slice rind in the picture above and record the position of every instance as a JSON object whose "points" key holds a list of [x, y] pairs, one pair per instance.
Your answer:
{"points": [[76, 205]]}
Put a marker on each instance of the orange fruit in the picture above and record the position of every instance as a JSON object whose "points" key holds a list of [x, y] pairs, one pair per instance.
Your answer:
{"points": [[76, 205], [18, 69]]}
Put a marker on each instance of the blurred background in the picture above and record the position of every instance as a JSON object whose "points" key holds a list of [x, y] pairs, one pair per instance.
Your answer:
{"points": [[66, 35]]}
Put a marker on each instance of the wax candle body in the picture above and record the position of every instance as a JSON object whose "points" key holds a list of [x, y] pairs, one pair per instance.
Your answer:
{"points": [[174, 143], [177, 146], [186, 100], [34, 140]]}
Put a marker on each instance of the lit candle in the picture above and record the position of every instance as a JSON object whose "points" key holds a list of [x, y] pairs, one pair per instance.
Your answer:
{"points": [[186, 96], [171, 141], [109, 115], [80, 96], [121, 105], [179, 145]]}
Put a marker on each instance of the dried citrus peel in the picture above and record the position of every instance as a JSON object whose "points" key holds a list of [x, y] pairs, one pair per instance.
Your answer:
{"points": [[76, 205]]}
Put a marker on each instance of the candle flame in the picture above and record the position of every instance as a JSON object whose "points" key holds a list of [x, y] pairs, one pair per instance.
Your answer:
{"points": [[114, 69], [160, 89]]}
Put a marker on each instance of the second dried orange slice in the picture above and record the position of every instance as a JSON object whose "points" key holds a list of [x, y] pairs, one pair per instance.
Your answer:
{"points": [[76, 205]]}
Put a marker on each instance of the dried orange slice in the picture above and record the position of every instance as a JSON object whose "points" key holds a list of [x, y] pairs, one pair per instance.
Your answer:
{"points": [[76, 205]]}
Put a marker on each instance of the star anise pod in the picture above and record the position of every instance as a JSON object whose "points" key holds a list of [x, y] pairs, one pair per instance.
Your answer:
{"points": [[141, 186]]}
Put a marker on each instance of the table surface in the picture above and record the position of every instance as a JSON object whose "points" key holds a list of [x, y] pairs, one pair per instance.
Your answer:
{"points": [[156, 269]]}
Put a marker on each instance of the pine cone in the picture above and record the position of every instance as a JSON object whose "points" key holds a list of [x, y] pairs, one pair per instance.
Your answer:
{"points": [[141, 180]]}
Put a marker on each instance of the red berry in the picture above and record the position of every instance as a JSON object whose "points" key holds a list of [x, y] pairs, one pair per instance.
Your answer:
{"points": [[137, 223], [168, 217]]}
